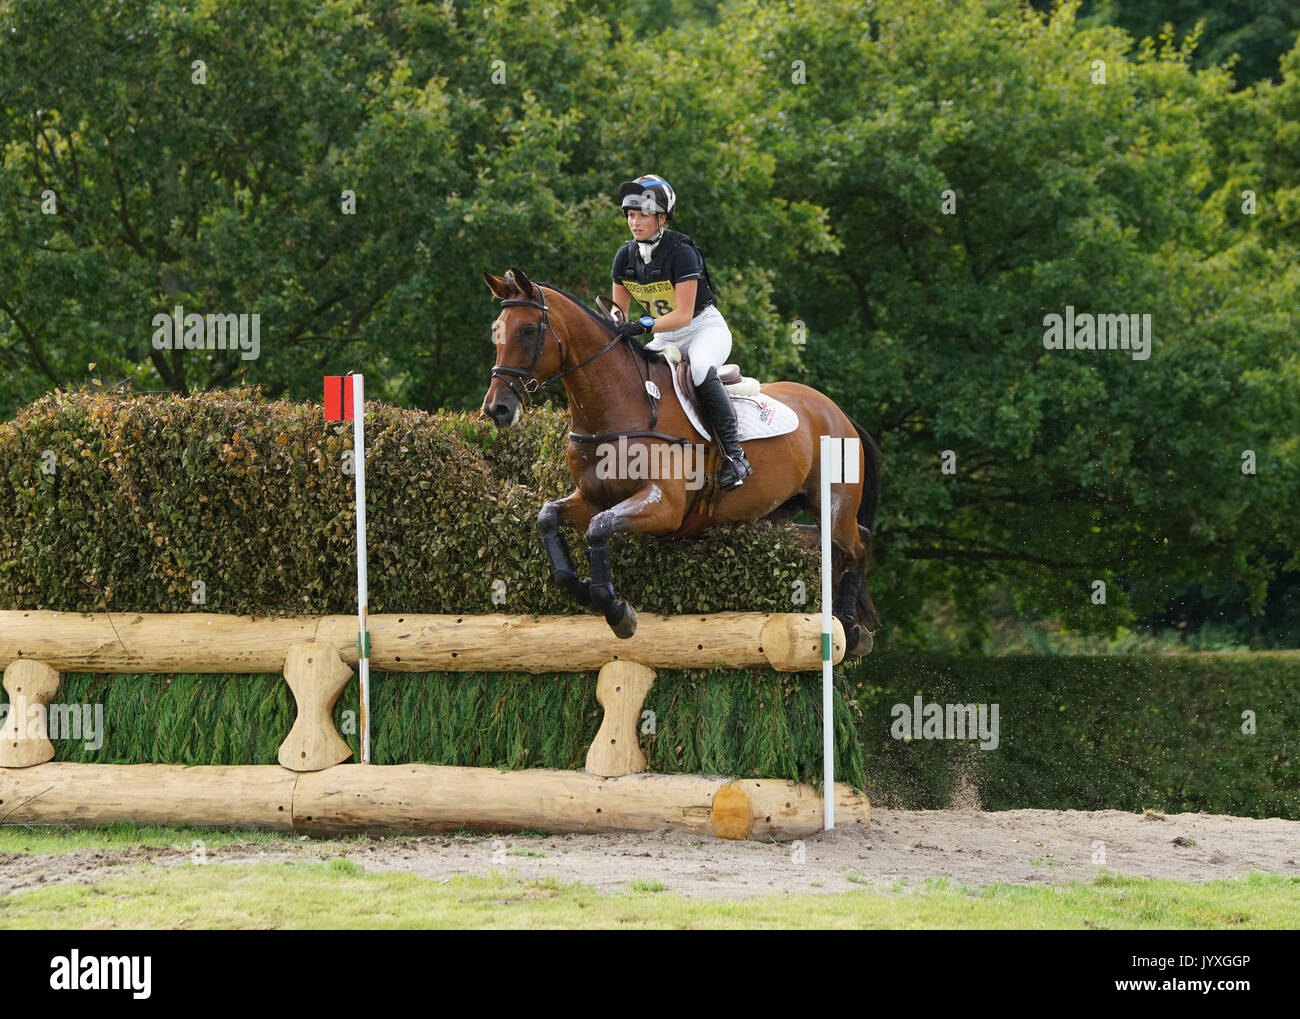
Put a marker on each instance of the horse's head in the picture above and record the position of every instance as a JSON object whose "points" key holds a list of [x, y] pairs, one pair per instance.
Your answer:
{"points": [[528, 349]]}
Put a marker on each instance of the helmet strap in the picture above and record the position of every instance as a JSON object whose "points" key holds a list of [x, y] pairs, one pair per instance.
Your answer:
{"points": [[648, 247]]}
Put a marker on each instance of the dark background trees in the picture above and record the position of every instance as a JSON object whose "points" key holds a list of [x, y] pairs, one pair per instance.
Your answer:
{"points": [[814, 147]]}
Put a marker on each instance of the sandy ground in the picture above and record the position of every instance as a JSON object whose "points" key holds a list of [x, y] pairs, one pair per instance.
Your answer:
{"points": [[970, 847]]}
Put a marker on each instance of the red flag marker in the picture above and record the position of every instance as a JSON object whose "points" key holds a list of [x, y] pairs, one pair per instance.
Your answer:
{"points": [[338, 397]]}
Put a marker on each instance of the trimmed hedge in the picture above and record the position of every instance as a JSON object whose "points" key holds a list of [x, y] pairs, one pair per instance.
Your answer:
{"points": [[1088, 732], [249, 496]]}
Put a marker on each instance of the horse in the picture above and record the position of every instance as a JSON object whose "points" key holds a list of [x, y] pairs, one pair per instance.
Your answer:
{"points": [[621, 394]]}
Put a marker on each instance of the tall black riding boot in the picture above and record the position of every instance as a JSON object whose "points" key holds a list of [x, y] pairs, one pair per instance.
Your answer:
{"points": [[716, 405]]}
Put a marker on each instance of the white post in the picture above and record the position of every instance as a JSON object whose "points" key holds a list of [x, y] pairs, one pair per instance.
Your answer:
{"points": [[828, 718], [363, 636]]}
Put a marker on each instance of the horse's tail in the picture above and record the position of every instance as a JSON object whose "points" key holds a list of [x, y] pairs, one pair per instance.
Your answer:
{"points": [[870, 478], [867, 517]]}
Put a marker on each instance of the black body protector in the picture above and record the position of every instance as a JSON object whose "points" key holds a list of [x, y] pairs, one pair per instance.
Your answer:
{"points": [[651, 283]]}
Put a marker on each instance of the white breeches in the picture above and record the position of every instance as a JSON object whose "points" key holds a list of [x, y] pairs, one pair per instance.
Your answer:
{"points": [[706, 338]]}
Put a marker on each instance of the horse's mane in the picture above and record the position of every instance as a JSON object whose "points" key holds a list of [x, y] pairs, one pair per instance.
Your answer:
{"points": [[650, 356]]}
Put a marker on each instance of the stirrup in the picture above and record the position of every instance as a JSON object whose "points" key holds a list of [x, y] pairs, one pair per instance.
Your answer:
{"points": [[733, 473]]}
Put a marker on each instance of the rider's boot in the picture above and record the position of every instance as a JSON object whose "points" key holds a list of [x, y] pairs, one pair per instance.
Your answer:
{"points": [[716, 404]]}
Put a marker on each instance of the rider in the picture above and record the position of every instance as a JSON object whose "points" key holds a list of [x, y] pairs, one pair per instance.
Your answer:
{"points": [[664, 270]]}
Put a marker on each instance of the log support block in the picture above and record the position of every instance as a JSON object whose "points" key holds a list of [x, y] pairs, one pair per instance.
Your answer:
{"points": [[316, 675], [25, 736], [621, 689]]}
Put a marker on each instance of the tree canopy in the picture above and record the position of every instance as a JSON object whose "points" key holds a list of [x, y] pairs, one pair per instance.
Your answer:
{"points": [[893, 198]]}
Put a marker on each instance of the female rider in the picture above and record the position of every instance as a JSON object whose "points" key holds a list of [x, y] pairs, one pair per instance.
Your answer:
{"points": [[665, 272]]}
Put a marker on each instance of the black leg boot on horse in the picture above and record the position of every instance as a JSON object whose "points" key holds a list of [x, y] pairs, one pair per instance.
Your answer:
{"points": [[716, 404]]}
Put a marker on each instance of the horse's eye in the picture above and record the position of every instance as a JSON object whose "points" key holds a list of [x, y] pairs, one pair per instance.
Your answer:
{"points": [[528, 330]]}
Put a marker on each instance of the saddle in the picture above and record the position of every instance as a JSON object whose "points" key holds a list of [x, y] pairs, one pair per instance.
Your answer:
{"points": [[729, 375], [736, 384]]}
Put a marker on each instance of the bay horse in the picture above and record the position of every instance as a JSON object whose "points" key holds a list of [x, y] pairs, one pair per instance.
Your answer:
{"points": [[621, 394]]}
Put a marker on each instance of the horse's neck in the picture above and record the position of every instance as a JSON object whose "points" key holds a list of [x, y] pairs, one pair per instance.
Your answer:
{"points": [[606, 395]]}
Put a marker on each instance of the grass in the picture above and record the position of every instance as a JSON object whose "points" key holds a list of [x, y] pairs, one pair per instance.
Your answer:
{"points": [[55, 839], [47, 839], [339, 894], [639, 885]]}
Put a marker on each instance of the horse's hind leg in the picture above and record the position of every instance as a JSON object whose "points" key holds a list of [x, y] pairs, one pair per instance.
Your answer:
{"points": [[849, 560]]}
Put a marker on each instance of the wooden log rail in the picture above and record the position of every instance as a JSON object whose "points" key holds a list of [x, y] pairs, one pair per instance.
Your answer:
{"points": [[415, 798], [194, 642]]}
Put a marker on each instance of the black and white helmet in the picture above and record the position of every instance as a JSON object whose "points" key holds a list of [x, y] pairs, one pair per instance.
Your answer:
{"points": [[649, 194]]}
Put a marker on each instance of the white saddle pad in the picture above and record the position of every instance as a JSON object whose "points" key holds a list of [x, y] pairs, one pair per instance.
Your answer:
{"points": [[757, 417]]}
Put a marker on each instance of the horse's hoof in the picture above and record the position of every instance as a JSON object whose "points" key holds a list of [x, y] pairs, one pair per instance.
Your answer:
{"points": [[626, 626], [860, 642]]}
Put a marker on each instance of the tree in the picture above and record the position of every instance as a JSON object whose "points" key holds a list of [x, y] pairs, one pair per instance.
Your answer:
{"points": [[979, 178]]}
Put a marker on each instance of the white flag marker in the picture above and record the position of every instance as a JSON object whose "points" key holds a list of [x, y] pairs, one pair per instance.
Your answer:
{"points": [[840, 464]]}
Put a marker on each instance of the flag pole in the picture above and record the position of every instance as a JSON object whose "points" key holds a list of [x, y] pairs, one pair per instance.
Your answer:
{"points": [[828, 720], [363, 635]]}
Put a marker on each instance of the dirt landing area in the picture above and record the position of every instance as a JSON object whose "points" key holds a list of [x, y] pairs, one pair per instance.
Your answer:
{"points": [[968, 847]]}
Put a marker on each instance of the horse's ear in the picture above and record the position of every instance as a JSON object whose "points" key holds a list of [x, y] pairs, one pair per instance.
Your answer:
{"points": [[499, 287], [516, 276]]}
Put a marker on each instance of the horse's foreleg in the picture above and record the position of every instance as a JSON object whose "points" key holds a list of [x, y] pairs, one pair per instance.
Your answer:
{"points": [[646, 512], [575, 511]]}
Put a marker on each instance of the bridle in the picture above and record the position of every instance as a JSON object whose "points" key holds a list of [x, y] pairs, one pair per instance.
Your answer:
{"points": [[528, 376]]}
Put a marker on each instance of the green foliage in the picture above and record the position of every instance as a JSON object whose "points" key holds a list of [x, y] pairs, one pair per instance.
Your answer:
{"points": [[1071, 466], [1247, 35]]}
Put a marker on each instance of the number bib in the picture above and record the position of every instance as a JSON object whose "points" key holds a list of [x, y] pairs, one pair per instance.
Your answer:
{"points": [[657, 298]]}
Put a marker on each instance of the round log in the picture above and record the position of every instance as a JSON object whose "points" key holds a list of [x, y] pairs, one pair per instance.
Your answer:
{"points": [[135, 642], [206, 643], [412, 798], [431, 798]]}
